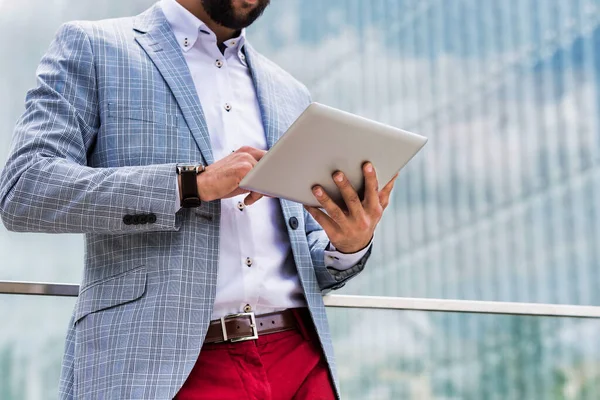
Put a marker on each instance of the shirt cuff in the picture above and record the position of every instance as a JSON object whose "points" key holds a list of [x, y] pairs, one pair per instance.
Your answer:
{"points": [[342, 261]]}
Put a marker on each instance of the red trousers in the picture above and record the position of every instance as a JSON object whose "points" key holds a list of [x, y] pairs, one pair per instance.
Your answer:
{"points": [[279, 366]]}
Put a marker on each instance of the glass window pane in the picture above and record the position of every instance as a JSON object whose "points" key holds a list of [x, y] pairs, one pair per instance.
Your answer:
{"points": [[32, 341], [380, 354], [424, 355], [500, 205], [502, 202], [39, 257]]}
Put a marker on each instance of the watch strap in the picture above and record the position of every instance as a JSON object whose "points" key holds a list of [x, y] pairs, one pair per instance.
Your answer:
{"points": [[189, 185]]}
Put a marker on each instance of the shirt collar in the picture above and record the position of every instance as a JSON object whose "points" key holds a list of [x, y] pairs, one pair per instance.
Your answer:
{"points": [[188, 28]]}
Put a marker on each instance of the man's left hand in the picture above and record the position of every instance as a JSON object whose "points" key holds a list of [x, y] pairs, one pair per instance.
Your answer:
{"points": [[351, 230]]}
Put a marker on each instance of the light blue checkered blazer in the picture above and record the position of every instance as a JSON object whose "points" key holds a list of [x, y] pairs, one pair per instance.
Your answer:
{"points": [[114, 110]]}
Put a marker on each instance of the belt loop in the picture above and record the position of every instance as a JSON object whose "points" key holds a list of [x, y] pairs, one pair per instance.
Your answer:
{"points": [[301, 324]]}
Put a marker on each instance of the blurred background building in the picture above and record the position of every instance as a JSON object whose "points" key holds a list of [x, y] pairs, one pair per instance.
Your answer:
{"points": [[501, 205]]}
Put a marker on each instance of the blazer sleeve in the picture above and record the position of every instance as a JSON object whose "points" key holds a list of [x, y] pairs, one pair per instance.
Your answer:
{"points": [[328, 278], [46, 185]]}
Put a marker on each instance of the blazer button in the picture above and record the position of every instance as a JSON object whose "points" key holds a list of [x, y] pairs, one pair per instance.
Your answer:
{"points": [[127, 219], [135, 219], [143, 218], [293, 223], [151, 218]]}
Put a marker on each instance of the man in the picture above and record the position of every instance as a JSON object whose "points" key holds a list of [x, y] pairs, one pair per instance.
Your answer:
{"points": [[119, 141]]}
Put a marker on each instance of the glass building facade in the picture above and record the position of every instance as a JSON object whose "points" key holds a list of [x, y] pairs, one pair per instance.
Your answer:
{"points": [[501, 205]]}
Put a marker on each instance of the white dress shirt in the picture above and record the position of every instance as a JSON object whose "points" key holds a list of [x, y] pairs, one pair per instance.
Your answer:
{"points": [[256, 268]]}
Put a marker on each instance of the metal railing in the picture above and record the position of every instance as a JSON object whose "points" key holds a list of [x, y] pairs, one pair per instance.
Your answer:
{"points": [[368, 302]]}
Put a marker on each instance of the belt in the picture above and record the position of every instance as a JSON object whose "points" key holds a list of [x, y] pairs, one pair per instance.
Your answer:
{"points": [[247, 326]]}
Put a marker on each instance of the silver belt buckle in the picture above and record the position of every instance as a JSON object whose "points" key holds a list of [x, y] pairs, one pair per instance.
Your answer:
{"points": [[254, 335]]}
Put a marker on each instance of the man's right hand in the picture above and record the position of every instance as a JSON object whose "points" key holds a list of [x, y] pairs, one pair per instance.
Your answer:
{"points": [[221, 179]]}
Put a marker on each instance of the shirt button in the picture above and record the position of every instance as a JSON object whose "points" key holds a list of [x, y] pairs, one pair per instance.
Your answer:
{"points": [[242, 56], [247, 308], [227, 107], [293, 223], [219, 63], [241, 205], [249, 261]]}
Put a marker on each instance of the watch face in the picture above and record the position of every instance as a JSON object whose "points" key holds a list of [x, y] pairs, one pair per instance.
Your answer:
{"points": [[190, 168]]}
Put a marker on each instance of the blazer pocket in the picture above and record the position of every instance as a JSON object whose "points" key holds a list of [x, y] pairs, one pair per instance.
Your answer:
{"points": [[111, 292], [141, 135], [120, 111]]}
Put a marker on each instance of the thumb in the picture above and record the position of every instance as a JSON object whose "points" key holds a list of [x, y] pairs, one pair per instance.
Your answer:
{"points": [[252, 198]]}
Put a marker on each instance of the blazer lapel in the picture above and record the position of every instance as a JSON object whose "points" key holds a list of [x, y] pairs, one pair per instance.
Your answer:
{"points": [[158, 41], [275, 119], [263, 82]]}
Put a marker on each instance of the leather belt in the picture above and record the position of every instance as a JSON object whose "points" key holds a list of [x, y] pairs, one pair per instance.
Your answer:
{"points": [[247, 326]]}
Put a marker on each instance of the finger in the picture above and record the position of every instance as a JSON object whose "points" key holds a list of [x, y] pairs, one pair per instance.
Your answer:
{"points": [[385, 193], [349, 194], [248, 158], [257, 154], [332, 209], [322, 219], [371, 186], [236, 192], [252, 198], [390, 185], [242, 168]]}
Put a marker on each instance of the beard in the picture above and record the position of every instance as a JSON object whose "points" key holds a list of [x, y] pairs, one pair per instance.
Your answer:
{"points": [[224, 14]]}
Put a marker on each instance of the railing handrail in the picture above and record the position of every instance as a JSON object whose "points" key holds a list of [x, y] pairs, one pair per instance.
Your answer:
{"points": [[462, 306], [39, 288], [367, 302]]}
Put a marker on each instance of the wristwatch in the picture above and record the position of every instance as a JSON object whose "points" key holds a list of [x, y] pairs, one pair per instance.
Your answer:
{"points": [[189, 185]]}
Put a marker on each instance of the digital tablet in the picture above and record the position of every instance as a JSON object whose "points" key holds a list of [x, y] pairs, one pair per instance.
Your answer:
{"points": [[324, 140]]}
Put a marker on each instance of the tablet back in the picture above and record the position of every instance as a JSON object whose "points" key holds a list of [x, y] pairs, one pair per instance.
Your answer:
{"points": [[324, 140]]}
